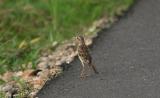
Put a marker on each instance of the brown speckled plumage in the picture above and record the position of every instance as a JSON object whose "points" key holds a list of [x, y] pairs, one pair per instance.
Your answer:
{"points": [[84, 56]]}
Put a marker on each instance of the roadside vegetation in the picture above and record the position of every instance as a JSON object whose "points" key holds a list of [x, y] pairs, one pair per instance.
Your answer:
{"points": [[30, 27]]}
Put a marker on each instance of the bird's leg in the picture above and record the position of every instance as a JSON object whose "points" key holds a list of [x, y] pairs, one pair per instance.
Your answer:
{"points": [[82, 71]]}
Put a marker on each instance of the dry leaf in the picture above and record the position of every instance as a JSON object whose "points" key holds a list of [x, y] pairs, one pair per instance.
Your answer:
{"points": [[26, 74], [7, 76], [23, 45], [35, 40]]}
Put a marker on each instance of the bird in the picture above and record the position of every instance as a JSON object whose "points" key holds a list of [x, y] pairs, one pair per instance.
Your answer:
{"points": [[84, 56]]}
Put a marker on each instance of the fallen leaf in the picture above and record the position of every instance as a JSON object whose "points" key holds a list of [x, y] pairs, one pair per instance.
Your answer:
{"points": [[23, 45], [7, 76], [35, 40]]}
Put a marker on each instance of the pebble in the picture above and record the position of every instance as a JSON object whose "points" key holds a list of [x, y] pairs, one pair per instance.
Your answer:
{"points": [[42, 65]]}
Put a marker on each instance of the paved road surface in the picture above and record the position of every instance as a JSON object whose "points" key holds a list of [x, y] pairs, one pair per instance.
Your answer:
{"points": [[127, 56]]}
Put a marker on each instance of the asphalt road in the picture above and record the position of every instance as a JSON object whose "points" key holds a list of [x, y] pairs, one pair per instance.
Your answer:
{"points": [[127, 57]]}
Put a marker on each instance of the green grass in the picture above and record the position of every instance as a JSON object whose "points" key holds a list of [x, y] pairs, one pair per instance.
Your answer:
{"points": [[23, 21]]}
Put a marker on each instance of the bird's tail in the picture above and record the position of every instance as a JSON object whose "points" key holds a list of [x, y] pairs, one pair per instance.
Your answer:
{"points": [[94, 69]]}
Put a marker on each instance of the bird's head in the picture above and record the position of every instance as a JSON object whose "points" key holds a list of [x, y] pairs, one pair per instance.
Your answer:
{"points": [[80, 39]]}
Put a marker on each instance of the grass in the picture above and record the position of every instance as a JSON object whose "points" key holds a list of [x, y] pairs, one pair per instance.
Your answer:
{"points": [[24, 89], [29, 26]]}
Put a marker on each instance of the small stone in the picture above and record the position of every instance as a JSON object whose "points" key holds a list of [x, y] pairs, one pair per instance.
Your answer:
{"points": [[6, 88], [61, 53], [58, 63], [69, 60], [44, 59], [57, 58], [42, 65], [19, 74], [63, 59], [50, 57], [10, 88]]}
